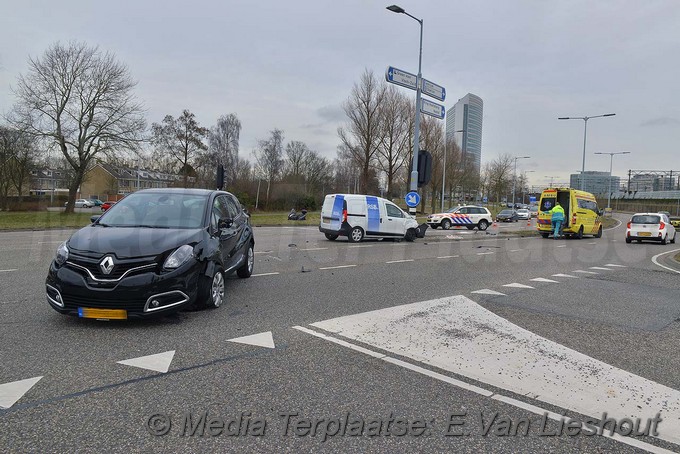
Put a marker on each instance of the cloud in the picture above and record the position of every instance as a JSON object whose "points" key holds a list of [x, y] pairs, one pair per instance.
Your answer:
{"points": [[661, 121], [331, 113]]}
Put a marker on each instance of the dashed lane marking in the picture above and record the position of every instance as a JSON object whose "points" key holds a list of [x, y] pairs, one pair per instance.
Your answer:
{"points": [[484, 253], [486, 291], [361, 245], [517, 285], [617, 266], [565, 275], [314, 249], [542, 279], [8, 271], [584, 272], [600, 268], [448, 256], [400, 261], [336, 267], [264, 274]]}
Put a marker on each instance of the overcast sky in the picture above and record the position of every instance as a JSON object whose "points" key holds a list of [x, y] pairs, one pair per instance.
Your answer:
{"points": [[290, 64]]}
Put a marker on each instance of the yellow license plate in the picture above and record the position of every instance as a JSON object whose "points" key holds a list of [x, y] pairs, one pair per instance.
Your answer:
{"points": [[109, 314], [644, 234]]}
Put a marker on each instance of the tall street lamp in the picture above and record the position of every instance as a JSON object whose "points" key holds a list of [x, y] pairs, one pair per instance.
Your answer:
{"points": [[611, 161], [585, 130], [444, 171], [514, 178], [416, 135]]}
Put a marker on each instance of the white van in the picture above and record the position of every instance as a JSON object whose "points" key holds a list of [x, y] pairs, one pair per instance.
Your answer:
{"points": [[366, 216]]}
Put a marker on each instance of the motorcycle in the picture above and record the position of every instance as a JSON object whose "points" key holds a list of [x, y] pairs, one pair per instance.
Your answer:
{"points": [[295, 216]]}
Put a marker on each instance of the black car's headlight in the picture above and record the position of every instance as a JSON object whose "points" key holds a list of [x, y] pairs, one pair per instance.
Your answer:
{"points": [[179, 257], [62, 254]]}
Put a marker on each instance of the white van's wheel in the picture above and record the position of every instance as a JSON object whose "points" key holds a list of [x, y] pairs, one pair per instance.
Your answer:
{"points": [[356, 235]]}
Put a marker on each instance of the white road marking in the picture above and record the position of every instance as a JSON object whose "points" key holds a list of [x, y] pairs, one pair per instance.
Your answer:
{"points": [[315, 249], [542, 279], [600, 268], [13, 391], [448, 256], [263, 252], [7, 271], [400, 261], [457, 335], [565, 275], [160, 362], [476, 389], [515, 250], [618, 266], [341, 342], [486, 291], [564, 245], [336, 267], [517, 285], [594, 242], [264, 274], [260, 340], [584, 272], [655, 260], [361, 245], [484, 253]]}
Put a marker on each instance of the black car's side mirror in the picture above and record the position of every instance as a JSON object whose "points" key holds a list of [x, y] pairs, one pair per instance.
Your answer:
{"points": [[224, 223], [94, 219]]}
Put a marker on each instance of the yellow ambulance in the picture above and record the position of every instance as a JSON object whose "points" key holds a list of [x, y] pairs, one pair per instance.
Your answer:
{"points": [[581, 214]]}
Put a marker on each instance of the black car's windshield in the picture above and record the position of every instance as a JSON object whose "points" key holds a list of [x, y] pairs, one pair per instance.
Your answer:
{"points": [[157, 210], [506, 212], [646, 219]]}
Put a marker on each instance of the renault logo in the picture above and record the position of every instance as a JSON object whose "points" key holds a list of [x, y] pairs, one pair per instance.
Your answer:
{"points": [[106, 265]]}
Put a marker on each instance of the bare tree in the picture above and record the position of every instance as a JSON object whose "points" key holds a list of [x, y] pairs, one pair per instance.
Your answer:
{"points": [[223, 143], [296, 155], [269, 158], [432, 140], [181, 137], [317, 172], [394, 137], [361, 137], [82, 101], [499, 175]]}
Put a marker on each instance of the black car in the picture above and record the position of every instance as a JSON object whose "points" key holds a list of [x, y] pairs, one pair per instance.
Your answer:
{"points": [[155, 252], [507, 216]]}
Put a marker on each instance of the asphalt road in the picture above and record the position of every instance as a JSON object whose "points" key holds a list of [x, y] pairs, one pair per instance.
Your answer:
{"points": [[611, 311]]}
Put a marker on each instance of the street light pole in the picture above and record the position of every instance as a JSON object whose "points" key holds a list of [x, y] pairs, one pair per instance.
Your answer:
{"points": [[611, 162], [416, 134], [585, 132], [444, 170], [514, 178], [551, 179]]}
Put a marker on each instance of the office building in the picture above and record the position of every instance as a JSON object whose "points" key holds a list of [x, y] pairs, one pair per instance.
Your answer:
{"points": [[466, 115], [595, 182]]}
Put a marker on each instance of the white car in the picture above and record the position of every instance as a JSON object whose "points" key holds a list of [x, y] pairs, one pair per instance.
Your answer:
{"points": [[470, 216], [523, 214], [82, 203], [650, 227]]}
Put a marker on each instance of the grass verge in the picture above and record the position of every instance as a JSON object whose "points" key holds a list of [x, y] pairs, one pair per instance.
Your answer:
{"points": [[38, 220]]}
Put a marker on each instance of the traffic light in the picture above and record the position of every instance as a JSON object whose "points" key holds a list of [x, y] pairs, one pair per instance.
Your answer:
{"points": [[424, 168], [219, 180]]}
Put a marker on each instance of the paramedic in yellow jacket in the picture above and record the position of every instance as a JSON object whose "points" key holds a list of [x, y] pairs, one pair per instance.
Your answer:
{"points": [[557, 218]]}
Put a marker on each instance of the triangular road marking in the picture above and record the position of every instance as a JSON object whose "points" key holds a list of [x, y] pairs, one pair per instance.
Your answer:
{"points": [[160, 362], [599, 268], [486, 291], [13, 391], [584, 272], [517, 285], [260, 340], [565, 275], [542, 279]]}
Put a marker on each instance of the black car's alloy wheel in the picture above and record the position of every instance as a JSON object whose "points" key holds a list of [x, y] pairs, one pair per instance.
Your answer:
{"points": [[247, 268]]}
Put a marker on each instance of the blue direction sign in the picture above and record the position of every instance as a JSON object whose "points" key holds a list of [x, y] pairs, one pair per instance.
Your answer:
{"points": [[433, 90], [412, 199], [399, 77], [432, 108]]}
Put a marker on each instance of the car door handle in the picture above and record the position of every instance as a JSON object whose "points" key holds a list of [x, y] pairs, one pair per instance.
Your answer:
{"points": [[381, 220]]}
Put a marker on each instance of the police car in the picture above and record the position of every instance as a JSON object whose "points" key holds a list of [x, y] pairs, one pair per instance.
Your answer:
{"points": [[470, 216], [359, 216]]}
